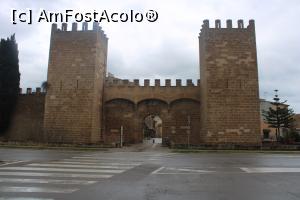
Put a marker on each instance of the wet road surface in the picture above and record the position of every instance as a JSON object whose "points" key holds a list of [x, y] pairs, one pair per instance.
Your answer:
{"points": [[146, 172]]}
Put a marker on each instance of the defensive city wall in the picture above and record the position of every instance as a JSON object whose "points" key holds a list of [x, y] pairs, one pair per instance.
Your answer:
{"points": [[82, 105]]}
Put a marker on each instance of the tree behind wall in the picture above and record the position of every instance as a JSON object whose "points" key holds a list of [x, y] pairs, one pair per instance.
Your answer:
{"points": [[9, 80], [279, 116]]}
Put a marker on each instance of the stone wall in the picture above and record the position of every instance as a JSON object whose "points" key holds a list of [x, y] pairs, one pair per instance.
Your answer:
{"points": [[176, 105], [128, 105], [229, 84], [117, 113], [76, 74], [27, 121], [184, 122], [123, 89]]}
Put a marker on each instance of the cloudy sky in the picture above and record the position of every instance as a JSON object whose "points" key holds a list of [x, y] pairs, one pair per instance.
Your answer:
{"points": [[168, 48]]}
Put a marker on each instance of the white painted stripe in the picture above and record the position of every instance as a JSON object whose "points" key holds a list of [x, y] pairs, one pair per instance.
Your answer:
{"points": [[10, 163], [81, 161], [189, 170], [51, 181], [157, 170], [94, 163], [22, 198], [87, 156], [37, 189], [61, 175], [80, 166], [162, 154], [270, 170], [283, 156], [169, 154], [179, 173], [94, 158], [62, 169]]}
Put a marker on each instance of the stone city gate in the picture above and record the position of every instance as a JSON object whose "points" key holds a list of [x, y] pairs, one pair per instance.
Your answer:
{"points": [[81, 107], [180, 120], [127, 104]]}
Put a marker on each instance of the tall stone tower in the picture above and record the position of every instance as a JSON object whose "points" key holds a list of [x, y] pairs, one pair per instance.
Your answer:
{"points": [[76, 74], [229, 84]]}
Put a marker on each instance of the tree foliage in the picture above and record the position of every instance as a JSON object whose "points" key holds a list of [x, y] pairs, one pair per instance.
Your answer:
{"points": [[279, 115], [9, 80]]}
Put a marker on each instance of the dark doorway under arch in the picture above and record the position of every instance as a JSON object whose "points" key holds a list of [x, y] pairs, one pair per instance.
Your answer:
{"points": [[152, 127]]}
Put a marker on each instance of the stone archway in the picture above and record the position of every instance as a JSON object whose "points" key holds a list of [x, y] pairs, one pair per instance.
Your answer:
{"points": [[184, 121], [152, 129], [153, 112], [119, 113]]}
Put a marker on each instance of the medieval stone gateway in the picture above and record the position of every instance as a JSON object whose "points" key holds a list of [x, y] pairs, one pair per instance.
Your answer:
{"points": [[84, 106]]}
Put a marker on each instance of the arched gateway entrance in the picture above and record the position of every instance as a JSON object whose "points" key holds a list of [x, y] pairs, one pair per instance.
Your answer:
{"points": [[152, 129], [136, 122]]}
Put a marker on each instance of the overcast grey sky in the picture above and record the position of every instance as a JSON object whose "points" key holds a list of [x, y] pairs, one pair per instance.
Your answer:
{"points": [[168, 48]]}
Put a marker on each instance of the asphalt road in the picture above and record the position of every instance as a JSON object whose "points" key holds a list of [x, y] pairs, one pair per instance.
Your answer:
{"points": [[148, 173]]}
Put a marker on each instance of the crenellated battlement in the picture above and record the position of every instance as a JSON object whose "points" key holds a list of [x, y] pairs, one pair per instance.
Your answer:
{"points": [[84, 28], [155, 83], [29, 91], [218, 26]]}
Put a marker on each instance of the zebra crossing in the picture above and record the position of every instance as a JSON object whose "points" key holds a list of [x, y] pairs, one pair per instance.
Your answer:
{"points": [[37, 179]]}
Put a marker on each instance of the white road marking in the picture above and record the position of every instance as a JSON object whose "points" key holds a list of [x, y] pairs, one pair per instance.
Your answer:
{"points": [[81, 166], [61, 175], [162, 154], [100, 161], [169, 154], [61, 169], [157, 170], [95, 158], [51, 181], [179, 173], [22, 198], [283, 156], [94, 163], [270, 170], [170, 170], [189, 170], [37, 189], [9, 163]]}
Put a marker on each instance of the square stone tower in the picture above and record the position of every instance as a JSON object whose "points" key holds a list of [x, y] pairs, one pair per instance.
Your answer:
{"points": [[229, 84], [76, 74]]}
